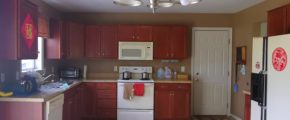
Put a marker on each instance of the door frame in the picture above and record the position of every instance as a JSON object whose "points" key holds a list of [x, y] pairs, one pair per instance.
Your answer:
{"points": [[229, 29]]}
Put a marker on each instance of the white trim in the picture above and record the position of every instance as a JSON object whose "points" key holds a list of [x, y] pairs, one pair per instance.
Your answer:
{"points": [[235, 117], [230, 58]]}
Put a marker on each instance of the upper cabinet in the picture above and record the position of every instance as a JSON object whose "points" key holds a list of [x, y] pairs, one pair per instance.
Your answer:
{"points": [[55, 42], [73, 34], [134, 33], [279, 21], [170, 42], [101, 41], [19, 24]]}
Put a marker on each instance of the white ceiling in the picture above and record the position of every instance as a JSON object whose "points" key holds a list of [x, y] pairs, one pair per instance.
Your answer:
{"points": [[206, 6]]}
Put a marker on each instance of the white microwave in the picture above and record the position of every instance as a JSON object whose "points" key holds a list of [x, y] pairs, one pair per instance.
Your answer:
{"points": [[135, 50]]}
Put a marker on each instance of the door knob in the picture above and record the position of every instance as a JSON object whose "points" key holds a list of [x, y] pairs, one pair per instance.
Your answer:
{"points": [[196, 76]]}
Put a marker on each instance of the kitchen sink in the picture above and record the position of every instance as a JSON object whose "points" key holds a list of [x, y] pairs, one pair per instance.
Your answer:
{"points": [[57, 84]]}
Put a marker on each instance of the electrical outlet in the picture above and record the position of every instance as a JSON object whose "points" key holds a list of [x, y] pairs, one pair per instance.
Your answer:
{"points": [[182, 69], [2, 77], [115, 68]]}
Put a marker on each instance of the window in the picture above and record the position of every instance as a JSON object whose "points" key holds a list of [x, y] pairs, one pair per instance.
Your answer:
{"points": [[34, 64]]}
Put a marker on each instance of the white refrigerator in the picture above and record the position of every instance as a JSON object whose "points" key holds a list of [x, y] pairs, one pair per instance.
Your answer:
{"points": [[270, 81]]}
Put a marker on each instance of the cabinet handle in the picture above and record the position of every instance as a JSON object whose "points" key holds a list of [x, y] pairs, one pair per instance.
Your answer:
{"points": [[167, 54], [103, 54], [133, 36], [172, 54]]}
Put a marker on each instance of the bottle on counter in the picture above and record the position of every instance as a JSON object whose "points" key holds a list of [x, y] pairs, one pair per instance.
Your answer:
{"points": [[168, 73], [160, 73]]}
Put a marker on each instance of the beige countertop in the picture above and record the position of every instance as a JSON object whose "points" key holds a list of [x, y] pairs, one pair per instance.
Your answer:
{"points": [[41, 96], [47, 94], [247, 92]]}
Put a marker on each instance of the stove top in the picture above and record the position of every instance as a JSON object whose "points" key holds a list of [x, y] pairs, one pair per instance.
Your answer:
{"points": [[136, 80]]}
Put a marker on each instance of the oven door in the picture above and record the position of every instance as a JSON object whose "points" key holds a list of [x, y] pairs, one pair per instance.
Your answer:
{"points": [[135, 114], [137, 102]]}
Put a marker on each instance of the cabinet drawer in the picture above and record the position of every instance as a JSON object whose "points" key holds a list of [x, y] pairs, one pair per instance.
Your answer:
{"points": [[181, 86], [106, 86], [106, 103], [163, 86], [103, 94], [107, 113], [172, 86]]}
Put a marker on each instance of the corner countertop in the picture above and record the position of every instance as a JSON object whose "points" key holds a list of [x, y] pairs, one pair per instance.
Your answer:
{"points": [[246, 92], [40, 96]]}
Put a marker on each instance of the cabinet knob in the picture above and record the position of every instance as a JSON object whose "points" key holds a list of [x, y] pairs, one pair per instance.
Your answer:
{"points": [[172, 54], [103, 54], [167, 54]]}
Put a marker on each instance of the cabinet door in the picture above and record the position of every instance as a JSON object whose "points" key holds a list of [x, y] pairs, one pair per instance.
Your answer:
{"points": [[109, 43], [69, 109], [126, 32], [288, 18], [89, 101], [178, 42], [277, 21], [247, 112], [93, 42], [143, 33], [181, 105], [163, 104], [54, 43], [161, 42], [75, 40], [28, 22], [8, 25]]}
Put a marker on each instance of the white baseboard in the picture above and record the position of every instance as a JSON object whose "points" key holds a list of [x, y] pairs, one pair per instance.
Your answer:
{"points": [[235, 117]]}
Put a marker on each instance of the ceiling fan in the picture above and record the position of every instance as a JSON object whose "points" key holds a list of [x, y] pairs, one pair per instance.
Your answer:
{"points": [[154, 4]]}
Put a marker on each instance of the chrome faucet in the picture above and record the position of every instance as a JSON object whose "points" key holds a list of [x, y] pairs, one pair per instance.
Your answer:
{"points": [[49, 78]]}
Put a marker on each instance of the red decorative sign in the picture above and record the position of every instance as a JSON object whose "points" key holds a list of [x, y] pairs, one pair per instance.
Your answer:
{"points": [[28, 31], [279, 59]]}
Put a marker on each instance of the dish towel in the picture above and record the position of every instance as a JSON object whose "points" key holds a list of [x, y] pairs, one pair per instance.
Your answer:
{"points": [[139, 89], [128, 91]]}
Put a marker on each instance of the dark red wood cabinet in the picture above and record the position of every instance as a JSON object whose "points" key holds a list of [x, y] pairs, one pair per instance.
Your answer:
{"points": [[100, 101], [247, 112], [101, 41], [172, 101], [279, 21], [55, 42], [73, 103], [170, 42], [19, 24], [141, 33], [73, 35]]}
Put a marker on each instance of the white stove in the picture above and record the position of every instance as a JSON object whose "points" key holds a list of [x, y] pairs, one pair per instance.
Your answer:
{"points": [[141, 107]]}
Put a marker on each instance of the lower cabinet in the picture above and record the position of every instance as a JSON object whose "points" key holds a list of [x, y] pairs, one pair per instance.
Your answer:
{"points": [[100, 101], [72, 107], [247, 112], [172, 101]]}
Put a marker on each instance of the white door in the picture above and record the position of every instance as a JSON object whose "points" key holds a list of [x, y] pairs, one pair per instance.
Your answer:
{"points": [[211, 71]]}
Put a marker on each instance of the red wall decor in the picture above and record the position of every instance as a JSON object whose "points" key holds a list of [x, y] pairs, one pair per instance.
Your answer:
{"points": [[28, 30], [279, 59]]}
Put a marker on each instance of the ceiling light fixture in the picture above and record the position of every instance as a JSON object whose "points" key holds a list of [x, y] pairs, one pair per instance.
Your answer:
{"points": [[154, 4]]}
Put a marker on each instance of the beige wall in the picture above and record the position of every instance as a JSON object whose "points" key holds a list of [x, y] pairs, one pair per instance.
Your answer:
{"points": [[245, 27]]}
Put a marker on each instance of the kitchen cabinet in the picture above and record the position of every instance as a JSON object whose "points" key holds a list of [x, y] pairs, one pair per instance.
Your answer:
{"points": [[72, 107], [279, 21], [74, 40], [19, 24], [172, 101], [101, 101], [247, 112], [101, 42], [141, 33], [43, 29], [55, 42], [170, 42]]}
